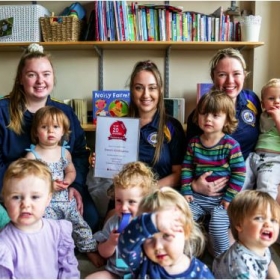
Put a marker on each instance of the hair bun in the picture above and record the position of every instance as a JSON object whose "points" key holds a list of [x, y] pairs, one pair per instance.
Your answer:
{"points": [[35, 48]]}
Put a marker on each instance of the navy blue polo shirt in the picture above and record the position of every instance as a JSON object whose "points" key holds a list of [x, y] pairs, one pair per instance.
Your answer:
{"points": [[173, 150], [248, 110]]}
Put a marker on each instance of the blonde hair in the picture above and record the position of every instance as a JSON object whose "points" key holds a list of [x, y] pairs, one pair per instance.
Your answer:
{"points": [[50, 114], [246, 203], [214, 102], [228, 52], [272, 83], [168, 197], [134, 174], [17, 95], [23, 168], [151, 67]]}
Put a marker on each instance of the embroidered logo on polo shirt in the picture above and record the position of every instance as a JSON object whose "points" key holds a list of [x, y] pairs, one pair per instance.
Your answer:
{"points": [[248, 117], [152, 139]]}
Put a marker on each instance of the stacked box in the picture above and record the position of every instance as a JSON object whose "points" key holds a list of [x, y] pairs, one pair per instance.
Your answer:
{"points": [[26, 24]]}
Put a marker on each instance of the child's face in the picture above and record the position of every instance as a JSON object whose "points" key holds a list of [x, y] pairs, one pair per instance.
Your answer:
{"points": [[258, 230], [212, 123], [49, 133], [166, 250], [271, 99], [26, 201], [127, 200]]}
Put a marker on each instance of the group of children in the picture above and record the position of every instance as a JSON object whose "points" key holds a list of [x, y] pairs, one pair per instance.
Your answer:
{"points": [[154, 232]]}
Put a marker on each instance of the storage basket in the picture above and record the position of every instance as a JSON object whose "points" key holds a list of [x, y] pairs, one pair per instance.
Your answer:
{"points": [[61, 28], [26, 25]]}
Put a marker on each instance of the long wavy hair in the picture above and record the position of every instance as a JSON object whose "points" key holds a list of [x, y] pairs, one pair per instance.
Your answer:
{"points": [[133, 109]]}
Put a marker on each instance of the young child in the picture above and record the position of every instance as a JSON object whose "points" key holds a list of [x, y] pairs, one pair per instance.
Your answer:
{"points": [[218, 152], [254, 221], [133, 182], [163, 240], [262, 166], [30, 246], [50, 127]]}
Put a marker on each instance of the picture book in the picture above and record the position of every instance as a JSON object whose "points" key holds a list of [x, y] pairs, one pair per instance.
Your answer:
{"points": [[175, 107], [202, 88], [112, 103]]}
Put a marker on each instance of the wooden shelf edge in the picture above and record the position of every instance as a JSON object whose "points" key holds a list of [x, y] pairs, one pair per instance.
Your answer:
{"points": [[88, 127], [139, 45]]}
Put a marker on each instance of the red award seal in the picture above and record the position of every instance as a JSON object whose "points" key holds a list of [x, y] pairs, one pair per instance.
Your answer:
{"points": [[117, 131]]}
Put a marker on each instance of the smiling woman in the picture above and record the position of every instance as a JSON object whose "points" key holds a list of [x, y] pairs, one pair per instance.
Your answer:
{"points": [[161, 136], [34, 82]]}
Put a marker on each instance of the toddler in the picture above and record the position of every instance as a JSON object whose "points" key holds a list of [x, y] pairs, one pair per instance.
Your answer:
{"points": [[254, 221], [133, 182], [163, 240], [50, 128], [262, 166], [214, 150], [32, 247]]}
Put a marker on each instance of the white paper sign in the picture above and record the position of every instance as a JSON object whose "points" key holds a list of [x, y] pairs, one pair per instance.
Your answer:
{"points": [[117, 143]]}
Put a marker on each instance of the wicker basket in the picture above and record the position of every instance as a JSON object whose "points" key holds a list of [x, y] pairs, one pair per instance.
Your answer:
{"points": [[61, 28]]}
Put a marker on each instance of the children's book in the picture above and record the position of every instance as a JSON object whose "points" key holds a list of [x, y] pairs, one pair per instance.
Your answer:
{"points": [[202, 88], [112, 103], [175, 107]]}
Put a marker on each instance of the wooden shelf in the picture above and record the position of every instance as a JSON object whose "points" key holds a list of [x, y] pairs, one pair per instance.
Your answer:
{"points": [[88, 127], [135, 45]]}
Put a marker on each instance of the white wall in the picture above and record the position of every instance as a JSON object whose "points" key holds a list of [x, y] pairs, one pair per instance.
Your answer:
{"points": [[77, 71]]}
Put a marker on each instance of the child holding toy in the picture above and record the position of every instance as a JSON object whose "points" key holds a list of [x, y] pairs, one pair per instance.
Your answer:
{"points": [[163, 240], [133, 182]]}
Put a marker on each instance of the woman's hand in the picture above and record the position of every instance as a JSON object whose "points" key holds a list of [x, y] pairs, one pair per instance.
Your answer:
{"points": [[209, 188], [92, 160], [74, 193]]}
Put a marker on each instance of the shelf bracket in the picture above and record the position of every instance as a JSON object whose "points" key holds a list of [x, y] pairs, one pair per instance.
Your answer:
{"points": [[100, 67], [166, 72]]}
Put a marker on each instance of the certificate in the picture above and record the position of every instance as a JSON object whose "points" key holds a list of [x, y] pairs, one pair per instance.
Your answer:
{"points": [[117, 143]]}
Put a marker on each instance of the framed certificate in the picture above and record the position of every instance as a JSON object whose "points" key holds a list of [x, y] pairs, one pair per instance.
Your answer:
{"points": [[117, 143]]}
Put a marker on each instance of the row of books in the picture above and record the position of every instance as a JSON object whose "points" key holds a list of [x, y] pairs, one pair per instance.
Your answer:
{"points": [[122, 21], [114, 103]]}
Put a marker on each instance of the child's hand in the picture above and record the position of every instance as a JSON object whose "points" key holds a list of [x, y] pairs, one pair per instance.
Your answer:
{"points": [[168, 220], [189, 198], [225, 204], [114, 237], [274, 113], [60, 185]]}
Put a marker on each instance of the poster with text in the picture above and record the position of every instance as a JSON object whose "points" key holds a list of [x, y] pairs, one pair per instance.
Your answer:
{"points": [[117, 143]]}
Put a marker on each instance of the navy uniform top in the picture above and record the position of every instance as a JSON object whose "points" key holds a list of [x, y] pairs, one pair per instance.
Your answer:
{"points": [[173, 150], [12, 146], [248, 111]]}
